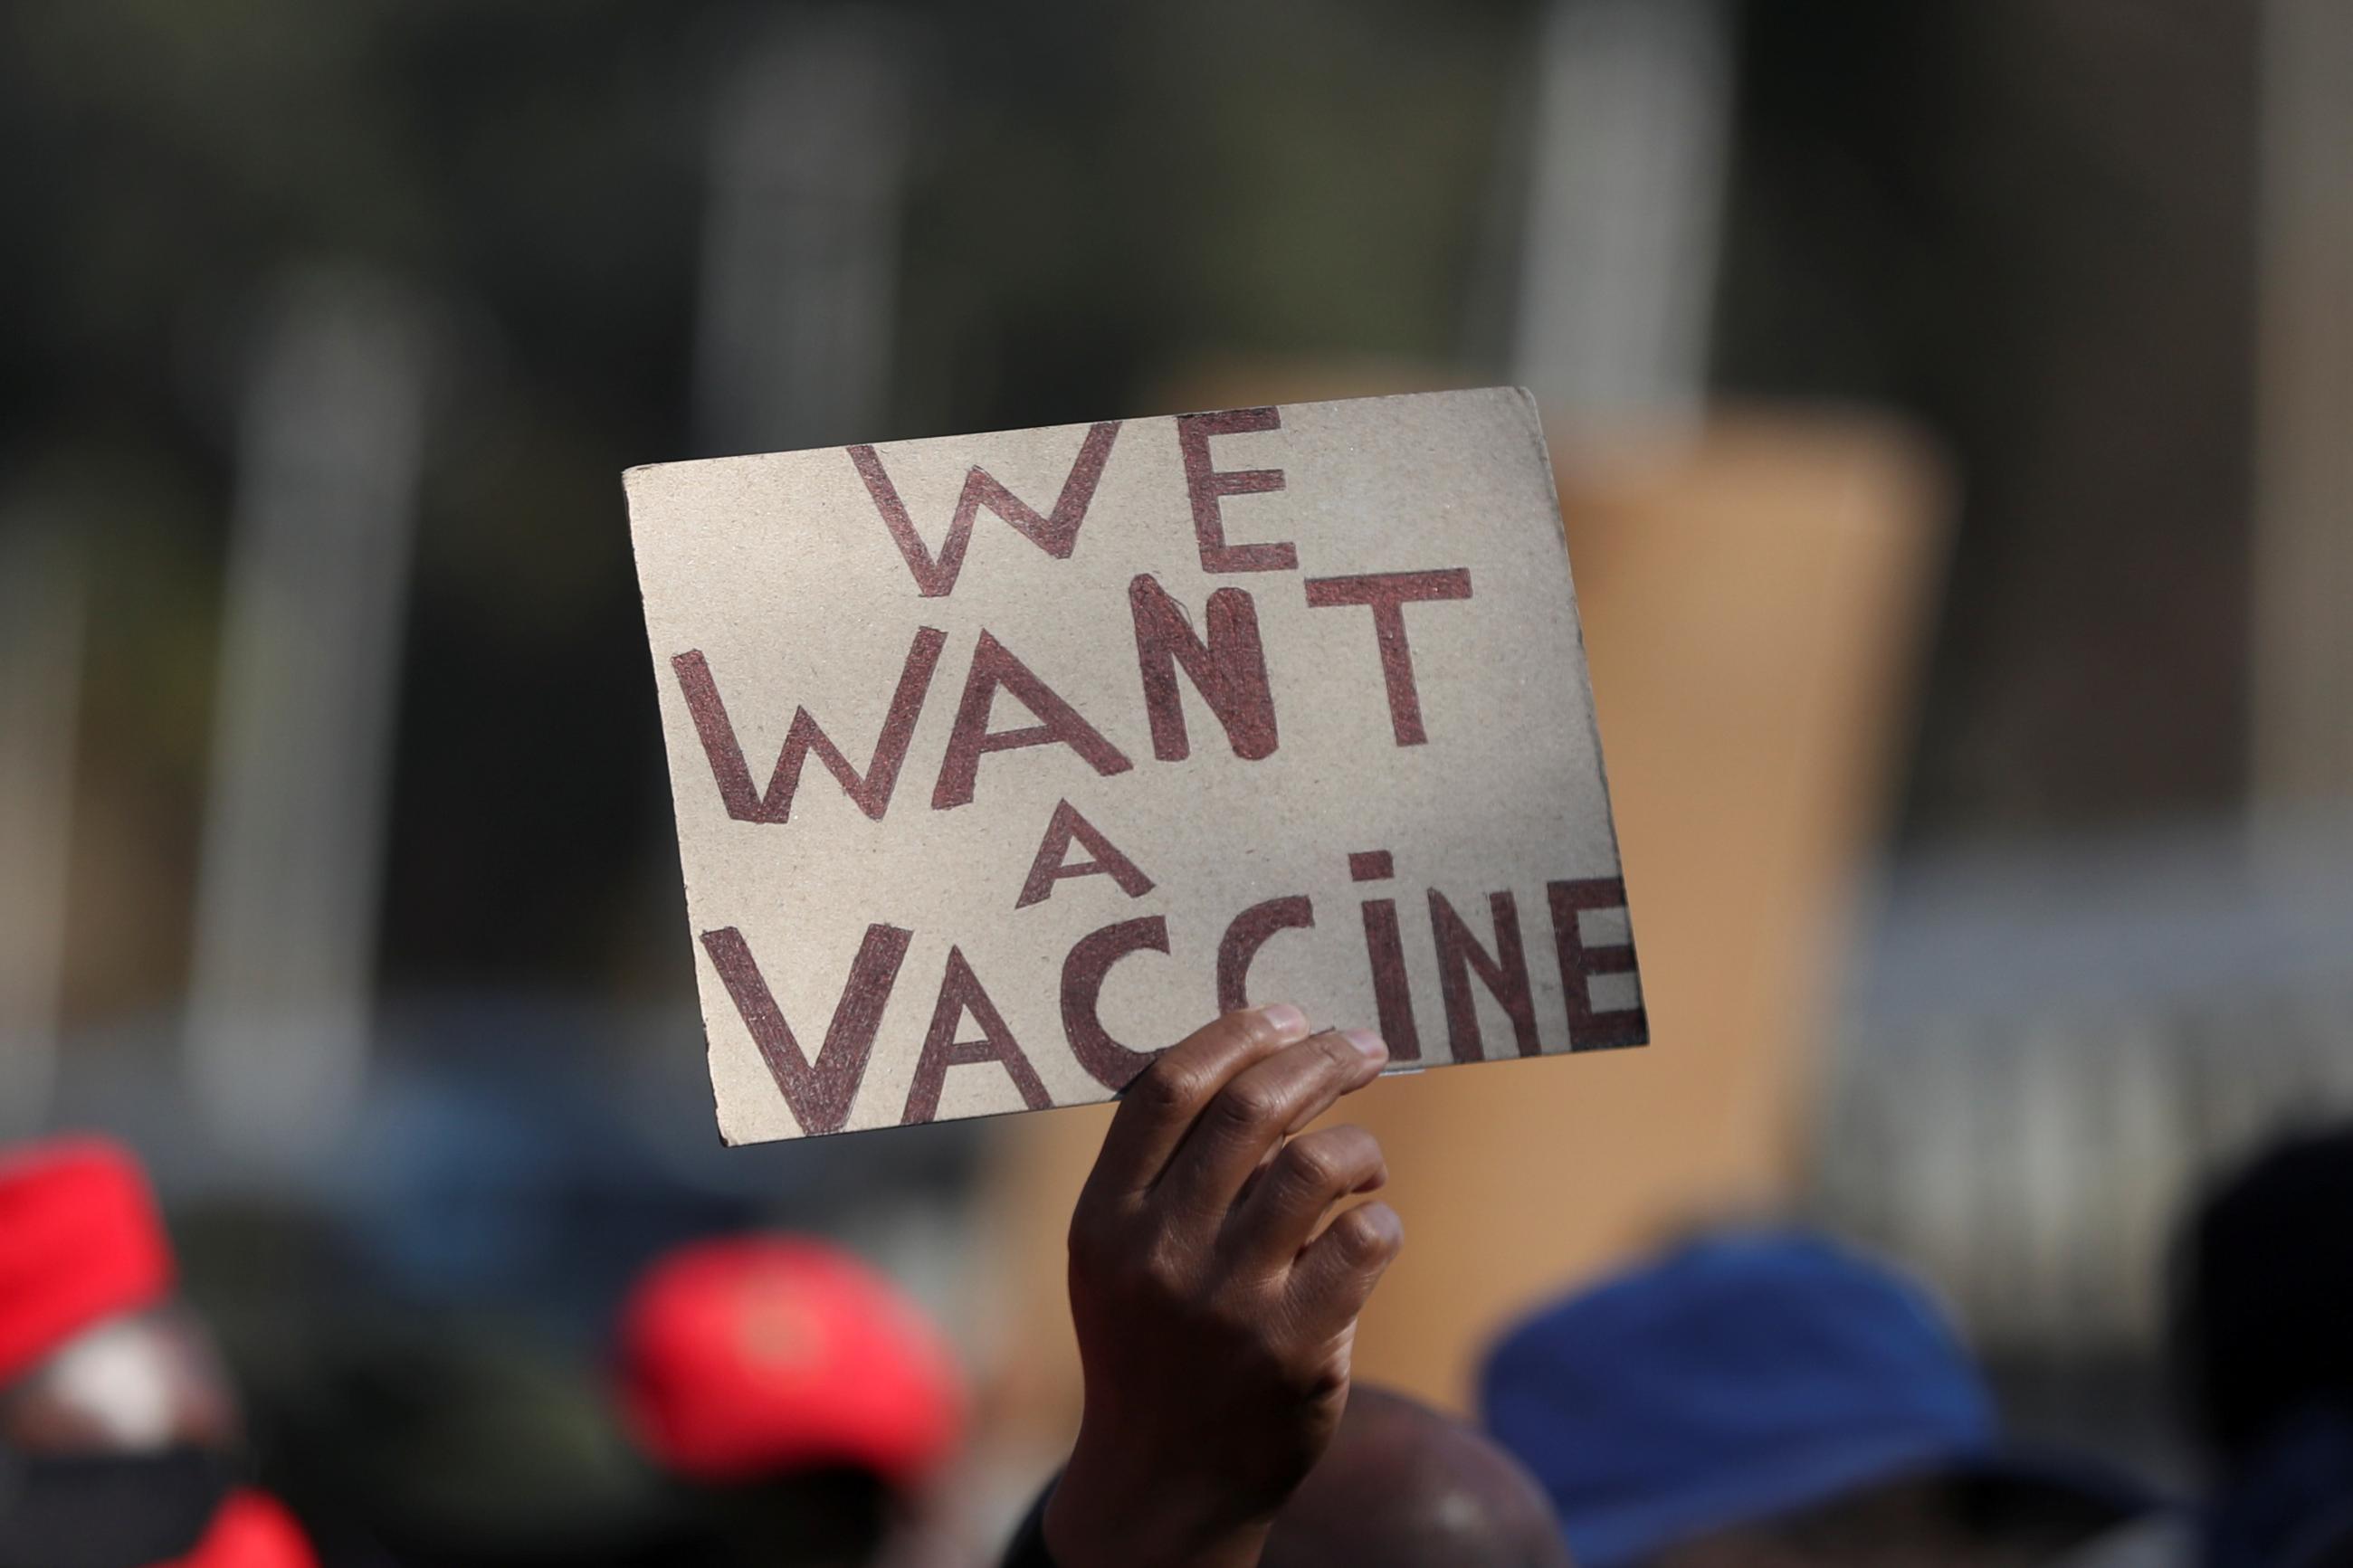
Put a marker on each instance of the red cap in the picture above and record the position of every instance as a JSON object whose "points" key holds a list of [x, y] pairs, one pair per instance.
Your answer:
{"points": [[80, 1242], [252, 1529], [746, 1357]]}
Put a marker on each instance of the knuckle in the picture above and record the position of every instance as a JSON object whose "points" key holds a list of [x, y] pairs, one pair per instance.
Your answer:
{"points": [[1165, 1091], [1162, 1271], [1360, 1236], [1247, 1105], [1315, 1372], [1339, 1057], [1247, 1028], [1313, 1164]]}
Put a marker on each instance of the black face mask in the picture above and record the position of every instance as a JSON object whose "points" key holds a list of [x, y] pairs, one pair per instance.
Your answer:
{"points": [[108, 1510]]}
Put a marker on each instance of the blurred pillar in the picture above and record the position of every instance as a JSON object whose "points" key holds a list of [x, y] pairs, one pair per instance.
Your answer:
{"points": [[2303, 438], [1618, 271], [808, 153], [41, 613], [330, 434]]}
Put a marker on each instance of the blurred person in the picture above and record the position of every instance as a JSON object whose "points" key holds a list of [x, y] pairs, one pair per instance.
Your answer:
{"points": [[802, 1404], [1403, 1486], [2262, 1339], [119, 1432], [1216, 1292], [1768, 1399]]}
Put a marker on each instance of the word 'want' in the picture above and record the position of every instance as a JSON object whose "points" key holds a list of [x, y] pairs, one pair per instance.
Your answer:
{"points": [[1226, 663]]}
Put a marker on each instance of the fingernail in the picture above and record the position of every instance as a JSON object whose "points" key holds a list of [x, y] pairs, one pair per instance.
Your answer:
{"points": [[1368, 1045], [1287, 1020]]}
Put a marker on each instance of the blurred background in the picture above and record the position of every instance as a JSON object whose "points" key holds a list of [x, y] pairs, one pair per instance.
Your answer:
{"points": [[1951, 404]]}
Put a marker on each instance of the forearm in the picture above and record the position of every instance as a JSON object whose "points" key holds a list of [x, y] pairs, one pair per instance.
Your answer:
{"points": [[1089, 1534], [1092, 1520]]}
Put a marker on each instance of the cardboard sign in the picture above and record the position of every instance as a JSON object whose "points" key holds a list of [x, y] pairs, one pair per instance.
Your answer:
{"points": [[1003, 762]]}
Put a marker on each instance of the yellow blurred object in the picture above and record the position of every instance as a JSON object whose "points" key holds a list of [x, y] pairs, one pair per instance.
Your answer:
{"points": [[1753, 599]]}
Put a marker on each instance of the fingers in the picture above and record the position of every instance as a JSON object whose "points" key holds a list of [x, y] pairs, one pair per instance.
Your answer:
{"points": [[1337, 1272], [1314, 1172], [1261, 1105], [1159, 1107]]}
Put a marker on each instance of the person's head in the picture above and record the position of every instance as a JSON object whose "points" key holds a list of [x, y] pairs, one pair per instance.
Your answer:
{"points": [[2263, 1309], [95, 1355], [2261, 1332], [1769, 1397], [1404, 1487], [794, 1392], [118, 1427]]}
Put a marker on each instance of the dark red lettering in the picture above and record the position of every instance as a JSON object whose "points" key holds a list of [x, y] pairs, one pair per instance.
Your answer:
{"points": [[995, 666], [961, 993], [1206, 487], [1057, 533], [1228, 669], [1110, 1063], [1392, 991], [1387, 593], [1248, 933], [1047, 868], [1589, 1031], [1505, 974], [871, 792], [818, 1094]]}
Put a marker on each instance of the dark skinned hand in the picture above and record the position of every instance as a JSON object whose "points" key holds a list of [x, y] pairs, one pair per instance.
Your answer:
{"points": [[1216, 1310]]}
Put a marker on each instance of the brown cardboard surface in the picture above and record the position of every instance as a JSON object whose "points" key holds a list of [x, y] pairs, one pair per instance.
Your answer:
{"points": [[1086, 826]]}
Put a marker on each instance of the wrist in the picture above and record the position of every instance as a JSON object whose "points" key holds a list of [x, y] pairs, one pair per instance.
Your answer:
{"points": [[1098, 1517]]}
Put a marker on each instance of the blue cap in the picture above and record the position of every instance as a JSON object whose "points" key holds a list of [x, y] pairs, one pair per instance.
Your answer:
{"points": [[1734, 1379]]}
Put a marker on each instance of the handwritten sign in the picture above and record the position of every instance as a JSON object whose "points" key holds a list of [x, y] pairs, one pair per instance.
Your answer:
{"points": [[1003, 762]]}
